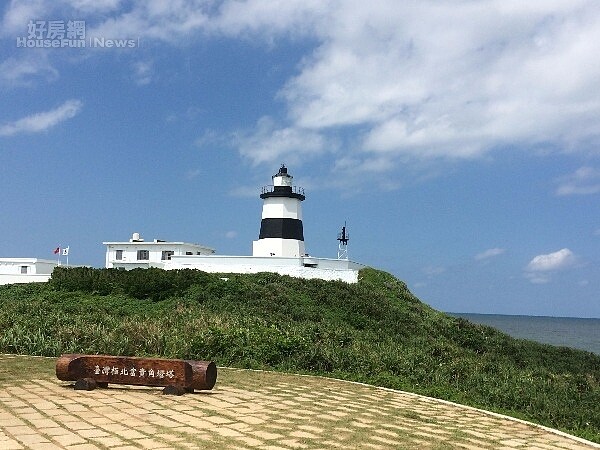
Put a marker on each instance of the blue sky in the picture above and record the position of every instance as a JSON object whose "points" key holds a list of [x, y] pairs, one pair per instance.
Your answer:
{"points": [[459, 140]]}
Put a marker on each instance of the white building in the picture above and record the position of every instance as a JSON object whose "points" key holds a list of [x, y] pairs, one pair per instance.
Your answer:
{"points": [[25, 270], [280, 246], [137, 253]]}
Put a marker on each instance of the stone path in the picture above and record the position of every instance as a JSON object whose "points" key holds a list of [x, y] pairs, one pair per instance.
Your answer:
{"points": [[254, 410]]}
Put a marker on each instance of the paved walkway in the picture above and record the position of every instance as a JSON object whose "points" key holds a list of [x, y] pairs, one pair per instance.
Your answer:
{"points": [[254, 410]]}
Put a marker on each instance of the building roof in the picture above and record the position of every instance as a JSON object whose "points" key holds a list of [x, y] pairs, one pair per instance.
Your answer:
{"points": [[158, 242], [28, 260]]}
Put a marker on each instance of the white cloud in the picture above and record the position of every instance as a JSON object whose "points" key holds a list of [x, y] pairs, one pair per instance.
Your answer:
{"points": [[558, 260], [38, 122], [192, 174], [416, 80], [540, 268], [211, 138], [18, 14], [248, 191], [584, 181], [292, 145], [428, 80], [143, 72], [537, 278], [231, 234], [490, 253], [95, 5], [22, 71], [171, 21], [432, 271]]}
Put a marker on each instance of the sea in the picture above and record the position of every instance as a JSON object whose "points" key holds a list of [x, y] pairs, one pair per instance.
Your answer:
{"points": [[583, 334]]}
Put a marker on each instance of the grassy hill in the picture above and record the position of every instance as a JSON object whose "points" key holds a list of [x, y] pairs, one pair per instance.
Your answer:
{"points": [[374, 331]]}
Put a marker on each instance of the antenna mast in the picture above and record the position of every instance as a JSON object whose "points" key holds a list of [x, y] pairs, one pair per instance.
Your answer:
{"points": [[343, 238]]}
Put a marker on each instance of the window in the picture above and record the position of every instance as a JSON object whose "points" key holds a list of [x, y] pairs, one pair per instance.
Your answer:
{"points": [[143, 255], [24, 269], [189, 253], [119, 254], [166, 254]]}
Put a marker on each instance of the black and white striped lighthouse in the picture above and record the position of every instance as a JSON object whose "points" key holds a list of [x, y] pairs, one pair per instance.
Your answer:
{"points": [[281, 231]]}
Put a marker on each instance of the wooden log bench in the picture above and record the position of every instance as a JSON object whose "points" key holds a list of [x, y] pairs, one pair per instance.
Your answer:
{"points": [[178, 376]]}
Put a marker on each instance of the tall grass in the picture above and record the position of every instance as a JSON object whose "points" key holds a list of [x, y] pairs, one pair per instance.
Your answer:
{"points": [[374, 331]]}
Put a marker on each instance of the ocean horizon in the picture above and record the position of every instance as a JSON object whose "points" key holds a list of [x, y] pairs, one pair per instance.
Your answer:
{"points": [[574, 332]]}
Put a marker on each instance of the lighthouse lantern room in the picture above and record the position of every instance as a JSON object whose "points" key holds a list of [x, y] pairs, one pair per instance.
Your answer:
{"points": [[281, 230]]}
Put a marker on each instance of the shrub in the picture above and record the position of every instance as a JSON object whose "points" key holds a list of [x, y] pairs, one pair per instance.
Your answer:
{"points": [[153, 283]]}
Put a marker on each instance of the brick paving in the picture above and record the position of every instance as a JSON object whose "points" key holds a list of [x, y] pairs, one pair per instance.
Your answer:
{"points": [[255, 410]]}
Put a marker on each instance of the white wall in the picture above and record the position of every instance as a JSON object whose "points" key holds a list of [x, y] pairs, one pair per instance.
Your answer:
{"points": [[12, 266], [342, 270], [155, 249], [18, 279]]}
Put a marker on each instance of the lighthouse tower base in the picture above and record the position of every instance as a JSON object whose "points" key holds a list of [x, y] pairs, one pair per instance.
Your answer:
{"points": [[278, 247]]}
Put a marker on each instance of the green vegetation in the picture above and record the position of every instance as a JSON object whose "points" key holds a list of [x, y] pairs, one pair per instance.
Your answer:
{"points": [[374, 331], [22, 368]]}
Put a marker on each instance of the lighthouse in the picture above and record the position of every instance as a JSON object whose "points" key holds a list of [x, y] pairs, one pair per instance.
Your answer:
{"points": [[281, 230]]}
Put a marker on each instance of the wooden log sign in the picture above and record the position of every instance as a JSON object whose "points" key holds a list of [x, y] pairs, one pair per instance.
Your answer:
{"points": [[177, 375]]}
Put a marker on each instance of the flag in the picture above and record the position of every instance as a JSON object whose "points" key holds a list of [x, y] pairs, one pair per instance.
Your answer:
{"points": [[66, 251], [57, 250]]}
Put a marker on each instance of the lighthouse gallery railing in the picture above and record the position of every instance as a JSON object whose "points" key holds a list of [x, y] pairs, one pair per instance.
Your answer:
{"points": [[270, 188]]}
